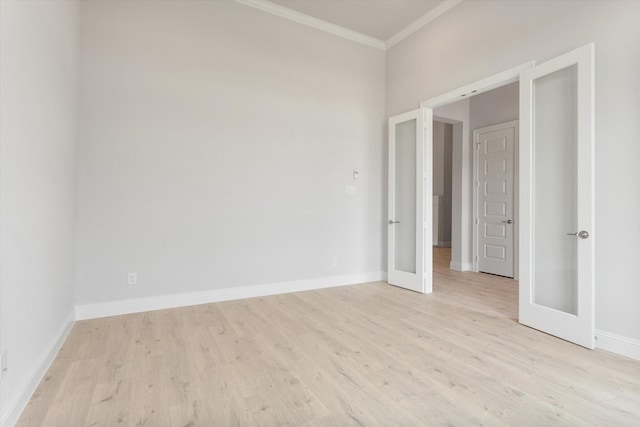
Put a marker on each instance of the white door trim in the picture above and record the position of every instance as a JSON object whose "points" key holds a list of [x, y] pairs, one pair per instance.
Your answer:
{"points": [[506, 125], [483, 85]]}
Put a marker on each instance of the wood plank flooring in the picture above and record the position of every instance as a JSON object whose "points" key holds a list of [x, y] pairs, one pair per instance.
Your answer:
{"points": [[363, 355]]}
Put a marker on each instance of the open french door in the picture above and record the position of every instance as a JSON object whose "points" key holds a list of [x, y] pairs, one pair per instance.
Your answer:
{"points": [[409, 264], [557, 197]]}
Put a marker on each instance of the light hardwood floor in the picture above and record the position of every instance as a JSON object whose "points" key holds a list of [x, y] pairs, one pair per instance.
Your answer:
{"points": [[369, 354]]}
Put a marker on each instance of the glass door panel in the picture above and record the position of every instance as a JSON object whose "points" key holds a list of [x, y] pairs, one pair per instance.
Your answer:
{"points": [[405, 197], [555, 256]]}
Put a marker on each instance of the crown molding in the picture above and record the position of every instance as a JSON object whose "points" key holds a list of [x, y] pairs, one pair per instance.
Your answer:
{"points": [[421, 22], [310, 21]]}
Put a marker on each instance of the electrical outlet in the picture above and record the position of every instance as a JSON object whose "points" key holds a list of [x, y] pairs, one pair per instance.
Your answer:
{"points": [[132, 278], [4, 367], [334, 261]]}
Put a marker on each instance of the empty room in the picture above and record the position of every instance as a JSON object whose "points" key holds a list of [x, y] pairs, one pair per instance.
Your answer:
{"points": [[319, 212]]}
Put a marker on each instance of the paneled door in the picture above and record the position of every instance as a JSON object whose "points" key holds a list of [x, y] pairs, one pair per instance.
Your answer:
{"points": [[409, 264], [556, 197], [495, 220]]}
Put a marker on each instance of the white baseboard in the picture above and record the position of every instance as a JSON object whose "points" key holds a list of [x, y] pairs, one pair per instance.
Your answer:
{"points": [[115, 308], [19, 401], [618, 344], [461, 266]]}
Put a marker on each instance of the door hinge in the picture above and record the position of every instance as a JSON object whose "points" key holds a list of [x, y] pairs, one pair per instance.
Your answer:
{"points": [[477, 258], [478, 146], [477, 183], [477, 220]]}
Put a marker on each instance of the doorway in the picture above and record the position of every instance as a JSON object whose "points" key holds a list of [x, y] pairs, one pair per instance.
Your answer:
{"points": [[468, 118]]}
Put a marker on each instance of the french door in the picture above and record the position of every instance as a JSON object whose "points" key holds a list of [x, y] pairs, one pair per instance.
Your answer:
{"points": [[409, 264], [556, 174], [556, 197]]}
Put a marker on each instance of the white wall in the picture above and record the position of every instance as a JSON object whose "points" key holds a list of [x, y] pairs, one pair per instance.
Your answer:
{"points": [[438, 157], [38, 101], [496, 106], [457, 114], [485, 37], [216, 141], [442, 146]]}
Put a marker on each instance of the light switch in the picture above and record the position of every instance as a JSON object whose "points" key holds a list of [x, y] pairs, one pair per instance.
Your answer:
{"points": [[350, 190]]}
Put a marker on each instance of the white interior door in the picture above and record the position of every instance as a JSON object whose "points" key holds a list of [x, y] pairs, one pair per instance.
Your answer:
{"points": [[495, 147], [556, 197], [409, 210]]}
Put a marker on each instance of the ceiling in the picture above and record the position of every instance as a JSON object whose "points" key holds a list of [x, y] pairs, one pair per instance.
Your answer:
{"points": [[379, 19]]}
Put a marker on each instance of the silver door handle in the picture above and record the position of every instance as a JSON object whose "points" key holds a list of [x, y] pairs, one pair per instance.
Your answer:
{"points": [[393, 222], [507, 222], [581, 234]]}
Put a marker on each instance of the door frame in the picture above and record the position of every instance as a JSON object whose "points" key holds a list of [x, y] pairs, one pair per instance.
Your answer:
{"points": [[516, 192], [494, 81]]}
